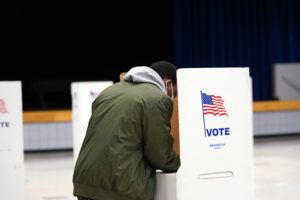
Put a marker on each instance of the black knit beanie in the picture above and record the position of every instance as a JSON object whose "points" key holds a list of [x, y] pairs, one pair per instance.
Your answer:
{"points": [[165, 69]]}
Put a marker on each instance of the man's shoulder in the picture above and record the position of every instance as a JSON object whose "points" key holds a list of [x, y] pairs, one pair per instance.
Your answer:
{"points": [[152, 91], [146, 91], [154, 96]]}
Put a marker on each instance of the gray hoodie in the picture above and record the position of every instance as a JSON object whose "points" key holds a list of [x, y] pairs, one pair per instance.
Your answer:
{"points": [[143, 74]]}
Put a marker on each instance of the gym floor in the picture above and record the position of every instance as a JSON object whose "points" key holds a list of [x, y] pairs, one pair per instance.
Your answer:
{"points": [[48, 175]]}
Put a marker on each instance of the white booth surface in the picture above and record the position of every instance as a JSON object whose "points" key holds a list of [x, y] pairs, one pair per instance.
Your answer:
{"points": [[11, 141], [83, 95], [216, 139], [165, 186]]}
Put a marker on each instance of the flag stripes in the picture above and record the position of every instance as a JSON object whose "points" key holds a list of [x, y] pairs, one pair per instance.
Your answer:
{"points": [[214, 105]]}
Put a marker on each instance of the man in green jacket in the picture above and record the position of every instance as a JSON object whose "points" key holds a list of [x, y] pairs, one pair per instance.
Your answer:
{"points": [[128, 137]]}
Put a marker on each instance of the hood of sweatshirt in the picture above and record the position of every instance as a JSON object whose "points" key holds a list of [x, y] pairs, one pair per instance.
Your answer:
{"points": [[144, 74]]}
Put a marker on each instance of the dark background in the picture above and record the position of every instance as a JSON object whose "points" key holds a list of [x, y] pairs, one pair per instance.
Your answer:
{"points": [[49, 44], [236, 33]]}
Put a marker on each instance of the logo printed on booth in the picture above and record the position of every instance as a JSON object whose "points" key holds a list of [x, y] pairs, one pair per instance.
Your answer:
{"points": [[94, 95], [214, 105], [3, 108]]}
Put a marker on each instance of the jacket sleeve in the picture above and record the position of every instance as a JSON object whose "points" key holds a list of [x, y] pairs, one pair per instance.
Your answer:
{"points": [[158, 143]]}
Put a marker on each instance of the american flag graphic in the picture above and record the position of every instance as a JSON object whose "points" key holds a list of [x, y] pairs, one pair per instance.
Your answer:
{"points": [[2, 106], [213, 105], [94, 95]]}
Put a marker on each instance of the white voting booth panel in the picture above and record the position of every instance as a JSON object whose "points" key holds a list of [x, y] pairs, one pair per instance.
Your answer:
{"points": [[216, 139], [165, 186], [11, 141], [83, 95]]}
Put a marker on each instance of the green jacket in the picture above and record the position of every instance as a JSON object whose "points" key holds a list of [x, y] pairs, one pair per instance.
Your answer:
{"points": [[127, 139]]}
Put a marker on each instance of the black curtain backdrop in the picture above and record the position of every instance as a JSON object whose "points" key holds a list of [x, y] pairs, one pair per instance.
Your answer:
{"points": [[49, 44], [234, 33]]}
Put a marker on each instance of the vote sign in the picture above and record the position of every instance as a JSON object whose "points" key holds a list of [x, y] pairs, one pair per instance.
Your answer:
{"points": [[215, 129]]}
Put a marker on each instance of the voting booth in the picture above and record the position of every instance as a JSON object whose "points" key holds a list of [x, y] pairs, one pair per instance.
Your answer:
{"points": [[11, 141], [83, 95], [216, 139]]}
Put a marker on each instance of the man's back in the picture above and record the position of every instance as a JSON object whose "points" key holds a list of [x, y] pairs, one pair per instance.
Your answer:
{"points": [[127, 139]]}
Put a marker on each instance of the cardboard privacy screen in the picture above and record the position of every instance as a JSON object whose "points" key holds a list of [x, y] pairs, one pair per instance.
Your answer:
{"points": [[216, 140]]}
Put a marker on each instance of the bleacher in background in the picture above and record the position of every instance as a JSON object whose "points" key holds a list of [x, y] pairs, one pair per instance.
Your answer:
{"points": [[52, 130]]}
